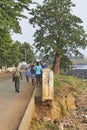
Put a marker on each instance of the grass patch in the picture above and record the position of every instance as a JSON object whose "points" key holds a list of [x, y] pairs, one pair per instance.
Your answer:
{"points": [[51, 126], [68, 80], [63, 113]]}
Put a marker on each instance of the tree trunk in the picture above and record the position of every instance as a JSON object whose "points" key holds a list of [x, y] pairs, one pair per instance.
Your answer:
{"points": [[56, 64], [5, 65]]}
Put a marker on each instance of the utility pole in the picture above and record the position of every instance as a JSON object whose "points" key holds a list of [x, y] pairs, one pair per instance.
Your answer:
{"points": [[25, 55]]}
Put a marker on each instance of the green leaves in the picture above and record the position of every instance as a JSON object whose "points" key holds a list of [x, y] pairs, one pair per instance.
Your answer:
{"points": [[16, 52], [58, 29], [11, 12], [27, 53]]}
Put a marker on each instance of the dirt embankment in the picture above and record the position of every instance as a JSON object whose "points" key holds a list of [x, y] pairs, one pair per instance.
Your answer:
{"points": [[68, 112]]}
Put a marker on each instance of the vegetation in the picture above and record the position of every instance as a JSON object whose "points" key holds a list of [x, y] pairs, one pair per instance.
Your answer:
{"points": [[11, 12], [16, 52], [64, 80], [65, 85], [50, 126], [26, 52], [59, 32], [58, 36], [66, 90]]}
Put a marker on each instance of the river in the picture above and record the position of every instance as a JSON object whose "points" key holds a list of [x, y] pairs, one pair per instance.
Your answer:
{"points": [[79, 71], [80, 67]]}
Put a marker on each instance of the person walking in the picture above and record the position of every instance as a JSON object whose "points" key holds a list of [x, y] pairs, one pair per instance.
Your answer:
{"points": [[32, 70], [44, 65], [17, 75], [27, 74], [38, 70]]}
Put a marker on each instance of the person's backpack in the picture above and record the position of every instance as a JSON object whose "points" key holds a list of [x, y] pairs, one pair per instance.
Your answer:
{"points": [[17, 73]]}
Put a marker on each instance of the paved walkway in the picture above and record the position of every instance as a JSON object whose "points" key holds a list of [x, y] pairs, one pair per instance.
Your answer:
{"points": [[13, 105]]}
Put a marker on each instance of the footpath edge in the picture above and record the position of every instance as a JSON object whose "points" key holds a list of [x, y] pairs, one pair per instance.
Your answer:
{"points": [[26, 120]]}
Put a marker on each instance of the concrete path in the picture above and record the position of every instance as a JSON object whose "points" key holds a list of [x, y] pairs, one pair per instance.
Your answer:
{"points": [[12, 104]]}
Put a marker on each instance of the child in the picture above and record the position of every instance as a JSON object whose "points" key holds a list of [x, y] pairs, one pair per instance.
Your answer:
{"points": [[27, 74], [32, 70]]}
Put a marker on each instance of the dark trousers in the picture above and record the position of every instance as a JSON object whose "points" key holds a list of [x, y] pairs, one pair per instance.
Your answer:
{"points": [[17, 84], [38, 80], [33, 81]]}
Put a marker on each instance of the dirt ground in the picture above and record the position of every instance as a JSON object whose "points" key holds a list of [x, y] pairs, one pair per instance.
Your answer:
{"points": [[71, 116]]}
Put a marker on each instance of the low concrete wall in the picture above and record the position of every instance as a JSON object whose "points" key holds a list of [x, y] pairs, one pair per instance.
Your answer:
{"points": [[47, 85], [25, 123], [9, 69]]}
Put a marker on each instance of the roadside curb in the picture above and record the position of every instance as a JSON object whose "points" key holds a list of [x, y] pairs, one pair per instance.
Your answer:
{"points": [[25, 123]]}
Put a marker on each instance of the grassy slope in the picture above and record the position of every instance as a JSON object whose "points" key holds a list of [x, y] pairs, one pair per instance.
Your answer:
{"points": [[64, 87]]}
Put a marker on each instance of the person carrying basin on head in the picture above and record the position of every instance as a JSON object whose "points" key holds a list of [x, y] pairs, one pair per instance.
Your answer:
{"points": [[38, 70]]}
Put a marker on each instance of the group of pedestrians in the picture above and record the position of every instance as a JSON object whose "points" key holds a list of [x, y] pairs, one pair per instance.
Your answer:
{"points": [[30, 72], [34, 72]]}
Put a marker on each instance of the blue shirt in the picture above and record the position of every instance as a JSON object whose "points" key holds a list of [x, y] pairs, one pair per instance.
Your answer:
{"points": [[32, 71], [27, 73], [38, 69]]}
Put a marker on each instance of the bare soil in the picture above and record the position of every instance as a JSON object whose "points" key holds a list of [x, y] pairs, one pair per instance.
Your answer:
{"points": [[68, 112]]}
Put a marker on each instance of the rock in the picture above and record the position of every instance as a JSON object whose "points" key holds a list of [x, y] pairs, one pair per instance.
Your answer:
{"points": [[56, 121], [84, 121]]}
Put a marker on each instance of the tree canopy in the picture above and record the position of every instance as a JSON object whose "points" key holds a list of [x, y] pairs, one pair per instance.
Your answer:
{"points": [[59, 32], [16, 52], [26, 51], [11, 12]]}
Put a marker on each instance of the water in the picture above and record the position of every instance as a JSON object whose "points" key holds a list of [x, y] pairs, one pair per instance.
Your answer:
{"points": [[79, 71], [83, 67]]}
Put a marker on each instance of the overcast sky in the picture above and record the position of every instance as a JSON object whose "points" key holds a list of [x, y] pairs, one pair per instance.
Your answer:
{"points": [[28, 31]]}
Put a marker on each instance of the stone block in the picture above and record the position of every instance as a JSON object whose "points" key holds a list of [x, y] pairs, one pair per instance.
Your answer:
{"points": [[47, 84]]}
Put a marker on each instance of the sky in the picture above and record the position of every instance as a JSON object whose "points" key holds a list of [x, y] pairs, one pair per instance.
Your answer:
{"points": [[28, 30]]}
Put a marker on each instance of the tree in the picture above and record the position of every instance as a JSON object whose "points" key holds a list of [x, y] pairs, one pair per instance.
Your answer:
{"points": [[11, 12], [26, 52], [59, 32], [9, 54], [4, 48]]}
